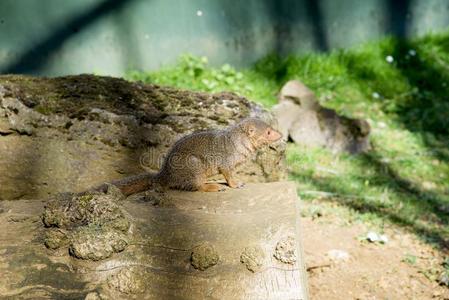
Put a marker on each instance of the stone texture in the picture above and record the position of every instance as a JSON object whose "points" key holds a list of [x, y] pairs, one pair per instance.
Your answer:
{"points": [[204, 256], [92, 226], [286, 250], [253, 258], [128, 280], [298, 92], [238, 225], [96, 244], [71, 133]]}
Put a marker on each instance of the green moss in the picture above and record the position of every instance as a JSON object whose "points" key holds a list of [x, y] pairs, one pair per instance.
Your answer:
{"points": [[55, 239], [194, 73], [120, 224], [46, 110], [84, 200], [54, 218], [204, 256], [74, 95]]}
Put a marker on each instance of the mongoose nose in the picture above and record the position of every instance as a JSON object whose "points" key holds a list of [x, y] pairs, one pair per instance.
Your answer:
{"points": [[274, 135]]}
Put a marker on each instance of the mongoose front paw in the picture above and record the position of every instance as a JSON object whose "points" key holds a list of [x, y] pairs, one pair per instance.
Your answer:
{"points": [[236, 185], [211, 187], [240, 185]]}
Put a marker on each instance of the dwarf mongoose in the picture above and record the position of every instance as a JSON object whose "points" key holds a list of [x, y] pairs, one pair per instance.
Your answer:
{"points": [[197, 156]]}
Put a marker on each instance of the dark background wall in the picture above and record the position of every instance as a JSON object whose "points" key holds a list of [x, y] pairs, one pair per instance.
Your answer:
{"points": [[54, 37]]}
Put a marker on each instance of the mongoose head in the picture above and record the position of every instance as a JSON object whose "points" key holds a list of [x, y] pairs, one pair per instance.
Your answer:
{"points": [[259, 132]]}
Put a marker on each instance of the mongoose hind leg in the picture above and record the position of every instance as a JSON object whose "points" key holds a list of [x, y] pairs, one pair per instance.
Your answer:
{"points": [[211, 187], [193, 177], [227, 174]]}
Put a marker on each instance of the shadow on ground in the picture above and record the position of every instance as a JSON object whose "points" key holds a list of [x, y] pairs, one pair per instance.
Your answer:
{"points": [[430, 225]]}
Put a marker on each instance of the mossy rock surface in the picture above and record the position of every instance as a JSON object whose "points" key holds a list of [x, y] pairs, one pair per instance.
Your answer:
{"points": [[69, 133]]}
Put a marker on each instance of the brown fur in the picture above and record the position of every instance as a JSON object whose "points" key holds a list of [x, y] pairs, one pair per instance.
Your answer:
{"points": [[197, 156]]}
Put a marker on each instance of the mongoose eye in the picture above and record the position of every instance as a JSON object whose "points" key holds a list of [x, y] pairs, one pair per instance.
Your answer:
{"points": [[268, 132]]}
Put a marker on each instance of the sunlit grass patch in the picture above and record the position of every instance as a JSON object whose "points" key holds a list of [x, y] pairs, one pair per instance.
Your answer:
{"points": [[195, 73]]}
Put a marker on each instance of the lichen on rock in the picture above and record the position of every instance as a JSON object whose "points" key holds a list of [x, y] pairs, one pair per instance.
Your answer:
{"points": [[55, 238], [204, 257], [100, 209], [286, 250], [93, 226], [129, 280], [96, 243], [252, 258]]}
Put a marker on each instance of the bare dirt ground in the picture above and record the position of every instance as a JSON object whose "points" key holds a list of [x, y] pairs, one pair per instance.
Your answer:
{"points": [[403, 268]]}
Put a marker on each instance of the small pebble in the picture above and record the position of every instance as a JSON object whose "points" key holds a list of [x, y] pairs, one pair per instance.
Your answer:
{"points": [[444, 279], [338, 255], [374, 237]]}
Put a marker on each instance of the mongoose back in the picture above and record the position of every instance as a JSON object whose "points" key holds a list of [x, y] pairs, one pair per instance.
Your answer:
{"points": [[199, 155]]}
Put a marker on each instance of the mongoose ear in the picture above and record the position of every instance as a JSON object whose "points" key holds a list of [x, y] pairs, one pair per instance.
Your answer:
{"points": [[251, 130]]}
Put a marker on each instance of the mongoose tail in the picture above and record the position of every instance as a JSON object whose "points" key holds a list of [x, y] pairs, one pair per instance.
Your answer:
{"points": [[128, 185]]}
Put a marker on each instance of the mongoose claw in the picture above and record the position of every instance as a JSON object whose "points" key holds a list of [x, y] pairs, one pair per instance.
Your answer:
{"points": [[211, 187], [237, 185], [240, 185]]}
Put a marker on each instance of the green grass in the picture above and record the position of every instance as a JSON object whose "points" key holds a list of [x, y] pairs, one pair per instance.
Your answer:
{"points": [[405, 178]]}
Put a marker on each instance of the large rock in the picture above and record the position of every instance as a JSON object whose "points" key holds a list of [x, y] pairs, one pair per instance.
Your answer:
{"points": [[299, 93], [237, 244], [70, 133], [306, 122]]}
